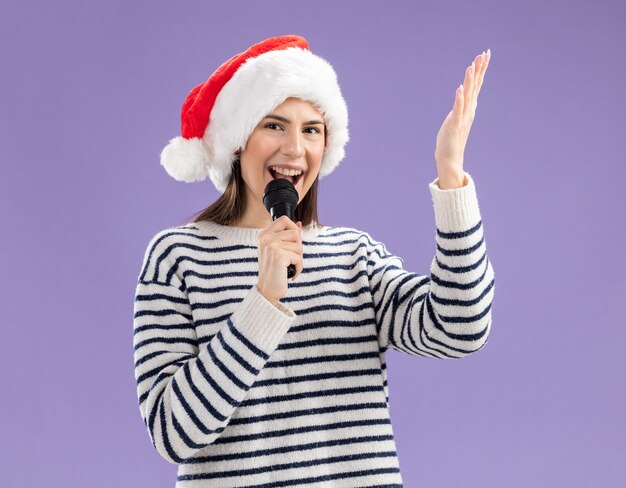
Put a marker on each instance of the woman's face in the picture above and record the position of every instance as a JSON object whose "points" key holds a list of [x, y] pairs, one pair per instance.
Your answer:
{"points": [[292, 136]]}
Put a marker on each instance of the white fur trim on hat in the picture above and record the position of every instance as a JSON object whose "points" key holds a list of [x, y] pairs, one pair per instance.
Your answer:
{"points": [[185, 159]]}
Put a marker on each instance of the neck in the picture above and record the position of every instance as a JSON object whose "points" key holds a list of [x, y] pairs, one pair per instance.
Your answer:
{"points": [[255, 216], [250, 221]]}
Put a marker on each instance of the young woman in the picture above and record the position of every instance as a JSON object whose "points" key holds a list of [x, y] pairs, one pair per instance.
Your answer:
{"points": [[248, 379]]}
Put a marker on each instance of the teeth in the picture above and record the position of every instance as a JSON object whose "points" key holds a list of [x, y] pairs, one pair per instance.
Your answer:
{"points": [[289, 172]]}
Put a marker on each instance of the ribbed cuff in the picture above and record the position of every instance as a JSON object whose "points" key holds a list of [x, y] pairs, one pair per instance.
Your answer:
{"points": [[455, 208], [261, 322]]}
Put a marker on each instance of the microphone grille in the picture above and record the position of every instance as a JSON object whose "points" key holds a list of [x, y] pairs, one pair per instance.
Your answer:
{"points": [[279, 190]]}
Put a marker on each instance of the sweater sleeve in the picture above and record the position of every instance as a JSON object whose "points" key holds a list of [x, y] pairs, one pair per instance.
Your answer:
{"points": [[188, 393], [446, 315]]}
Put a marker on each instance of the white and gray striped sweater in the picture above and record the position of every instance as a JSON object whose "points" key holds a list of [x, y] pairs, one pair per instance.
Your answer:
{"points": [[241, 393]]}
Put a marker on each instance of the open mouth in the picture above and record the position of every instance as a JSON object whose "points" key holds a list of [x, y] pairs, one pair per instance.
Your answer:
{"points": [[294, 179]]}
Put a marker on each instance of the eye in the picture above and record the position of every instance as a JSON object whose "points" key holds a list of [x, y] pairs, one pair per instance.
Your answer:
{"points": [[271, 124]]}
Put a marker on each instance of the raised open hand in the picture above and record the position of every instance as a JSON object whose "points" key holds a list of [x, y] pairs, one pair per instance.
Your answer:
{"points": [[453, 134]]}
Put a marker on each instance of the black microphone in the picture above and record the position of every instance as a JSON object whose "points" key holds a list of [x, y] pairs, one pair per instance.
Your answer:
{"points": [[281, 198]]}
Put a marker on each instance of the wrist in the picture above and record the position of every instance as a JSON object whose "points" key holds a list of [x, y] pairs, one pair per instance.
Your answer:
{"points": [[450, 181], [271, 300]]}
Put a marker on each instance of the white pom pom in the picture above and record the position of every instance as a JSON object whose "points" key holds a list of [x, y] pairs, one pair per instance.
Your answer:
{"points": [[185, 159]]}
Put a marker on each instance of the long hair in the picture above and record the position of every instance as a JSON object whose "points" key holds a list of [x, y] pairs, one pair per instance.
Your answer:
{"points": [[230, 206]]}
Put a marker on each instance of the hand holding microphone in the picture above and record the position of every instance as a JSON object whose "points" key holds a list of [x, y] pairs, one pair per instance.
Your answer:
{"points": [[280, 244]]}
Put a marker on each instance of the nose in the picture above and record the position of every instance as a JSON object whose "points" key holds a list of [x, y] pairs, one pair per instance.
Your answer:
{"points": [[293, 145]]}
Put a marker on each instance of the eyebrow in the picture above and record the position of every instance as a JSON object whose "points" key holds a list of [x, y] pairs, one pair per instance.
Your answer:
{"points": [[287, 121]]}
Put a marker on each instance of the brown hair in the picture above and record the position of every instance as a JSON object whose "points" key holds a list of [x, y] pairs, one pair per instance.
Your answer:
{"points": [[230, 206]]}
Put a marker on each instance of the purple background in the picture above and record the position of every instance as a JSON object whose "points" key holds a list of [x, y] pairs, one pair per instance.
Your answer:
{"points": [[90, 94]]}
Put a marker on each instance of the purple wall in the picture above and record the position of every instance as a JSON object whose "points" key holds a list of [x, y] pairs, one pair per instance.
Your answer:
{"points": [[90, 94]]}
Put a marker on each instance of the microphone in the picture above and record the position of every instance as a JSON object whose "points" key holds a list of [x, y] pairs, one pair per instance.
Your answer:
{"points": [[281, 198]]}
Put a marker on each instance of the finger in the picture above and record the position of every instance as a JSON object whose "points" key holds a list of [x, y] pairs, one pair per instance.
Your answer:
{"points": [[292, 247], [300, 266], [288, 235], [285, 252], [471, 106], [285, 220], [484, 64], [298, 271], [480, 62], [295, 257], [290, 224], [298, 262], [475, 76], [467, 85], [281, 223], [478, 67], [458, 102]]}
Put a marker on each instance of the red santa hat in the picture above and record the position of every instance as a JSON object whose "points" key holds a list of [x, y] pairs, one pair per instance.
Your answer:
{"points": [[219, 115]]}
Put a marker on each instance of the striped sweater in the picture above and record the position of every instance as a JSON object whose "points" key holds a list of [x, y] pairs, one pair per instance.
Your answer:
{"points": [[241, 393]]}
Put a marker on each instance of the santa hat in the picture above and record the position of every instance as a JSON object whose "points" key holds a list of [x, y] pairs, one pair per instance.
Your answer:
{"points": [[219, 115]]}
